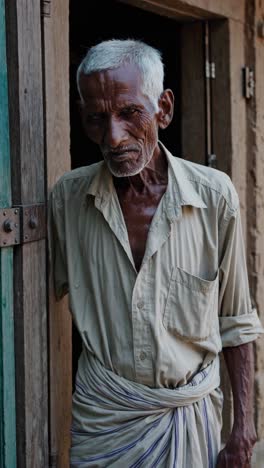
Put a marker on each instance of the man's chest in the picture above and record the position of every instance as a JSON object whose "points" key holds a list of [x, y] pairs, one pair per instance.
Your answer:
{"points": [[108, 235], [138, 215]]}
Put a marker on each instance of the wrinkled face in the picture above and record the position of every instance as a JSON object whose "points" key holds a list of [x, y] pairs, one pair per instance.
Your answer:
{"points": [[120, 119]]}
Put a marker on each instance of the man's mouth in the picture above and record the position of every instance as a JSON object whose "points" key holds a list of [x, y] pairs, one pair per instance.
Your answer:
{"points": [[121, 153]]}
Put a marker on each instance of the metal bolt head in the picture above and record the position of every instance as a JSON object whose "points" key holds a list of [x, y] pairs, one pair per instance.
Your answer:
{"points": [[8, 225], [33, 222]]}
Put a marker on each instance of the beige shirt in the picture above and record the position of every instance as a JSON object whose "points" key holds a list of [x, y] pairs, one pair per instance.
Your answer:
{"points": [[160, 325]]}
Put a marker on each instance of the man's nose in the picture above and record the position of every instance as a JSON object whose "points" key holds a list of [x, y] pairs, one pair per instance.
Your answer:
{"points": [[115, 133]]}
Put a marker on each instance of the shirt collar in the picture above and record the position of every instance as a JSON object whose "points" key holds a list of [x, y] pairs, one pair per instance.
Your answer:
{"points": [[180, 190], [101, 185]]}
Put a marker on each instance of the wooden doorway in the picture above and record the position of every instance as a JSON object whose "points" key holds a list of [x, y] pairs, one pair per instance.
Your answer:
{"points": [[182, 44], [196, 69], [39, 119]]}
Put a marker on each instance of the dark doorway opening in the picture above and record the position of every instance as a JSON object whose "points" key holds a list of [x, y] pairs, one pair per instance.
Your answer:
{"points": [[122, 22]]}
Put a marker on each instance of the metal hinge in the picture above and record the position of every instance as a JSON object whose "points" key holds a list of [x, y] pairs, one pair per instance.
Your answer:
{"points": [[248, 82], [46, 8], [212, 160], [21, 224], [210, 69]]}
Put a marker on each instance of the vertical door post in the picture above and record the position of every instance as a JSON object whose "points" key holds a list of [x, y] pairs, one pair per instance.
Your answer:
{"points": [[7, 364], [24, 58]]}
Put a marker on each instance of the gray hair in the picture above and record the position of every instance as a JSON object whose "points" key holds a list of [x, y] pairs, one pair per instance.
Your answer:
{"points": [[114, 53]]}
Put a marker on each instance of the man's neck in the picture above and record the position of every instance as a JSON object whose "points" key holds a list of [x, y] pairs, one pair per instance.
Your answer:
{"points": [[155, 174]]}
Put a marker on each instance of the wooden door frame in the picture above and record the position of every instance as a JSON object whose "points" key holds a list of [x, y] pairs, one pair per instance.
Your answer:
{"points": [[38, 76], [58, 161], [227, 19], [221, 99], [26, 106], [186, 10], [7, 352]]}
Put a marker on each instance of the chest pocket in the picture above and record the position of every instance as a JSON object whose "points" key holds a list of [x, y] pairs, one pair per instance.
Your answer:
{"points": [[191, 307]]}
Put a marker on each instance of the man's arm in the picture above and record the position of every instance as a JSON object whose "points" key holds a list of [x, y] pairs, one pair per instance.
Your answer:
{"points": [[238, 450]]}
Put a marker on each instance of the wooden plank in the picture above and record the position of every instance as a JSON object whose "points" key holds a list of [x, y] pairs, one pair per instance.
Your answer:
{"points": [[192, 9], [7, 361], [193, 93], [255, 197], [238, 114], [258, 128], [221, 94], [28, 170], [222, 144], [56, 44]]}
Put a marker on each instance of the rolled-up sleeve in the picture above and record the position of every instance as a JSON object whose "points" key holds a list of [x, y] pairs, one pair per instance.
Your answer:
{"points": [[57, 244], [238, 320]]}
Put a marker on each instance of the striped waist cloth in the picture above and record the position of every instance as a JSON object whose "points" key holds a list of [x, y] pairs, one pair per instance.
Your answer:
{"points": [[120, 423]]}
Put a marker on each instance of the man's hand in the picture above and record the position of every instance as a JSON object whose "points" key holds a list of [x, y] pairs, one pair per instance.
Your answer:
{"points": [[238, 450]]}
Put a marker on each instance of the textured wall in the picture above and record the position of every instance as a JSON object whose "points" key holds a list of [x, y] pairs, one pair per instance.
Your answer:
{"points": [[258, 271]]}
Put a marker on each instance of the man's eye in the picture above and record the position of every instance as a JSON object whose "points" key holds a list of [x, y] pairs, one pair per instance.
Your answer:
{"points": [[130, 111], [93, 118]]}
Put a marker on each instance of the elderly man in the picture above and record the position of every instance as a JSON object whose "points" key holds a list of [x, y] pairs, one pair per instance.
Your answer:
{"points": [[150, 249]]}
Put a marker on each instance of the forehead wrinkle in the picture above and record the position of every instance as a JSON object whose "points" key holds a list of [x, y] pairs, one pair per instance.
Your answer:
{"points": [[120, 80], [110, 91], [117, 102]]}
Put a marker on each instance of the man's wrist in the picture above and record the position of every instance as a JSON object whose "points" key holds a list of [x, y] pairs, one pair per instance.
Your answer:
{"points": [[243, 435]]}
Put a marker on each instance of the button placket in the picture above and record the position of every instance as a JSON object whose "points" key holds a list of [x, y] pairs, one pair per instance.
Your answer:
{"points": [[142, 356], [140, 305], [141, 328]]}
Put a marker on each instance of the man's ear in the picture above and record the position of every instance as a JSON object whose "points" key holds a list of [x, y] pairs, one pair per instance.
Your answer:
{"points": [[166, 108]]}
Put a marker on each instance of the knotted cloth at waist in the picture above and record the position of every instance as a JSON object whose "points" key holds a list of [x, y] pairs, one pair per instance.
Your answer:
{"points": [[120, 423]]}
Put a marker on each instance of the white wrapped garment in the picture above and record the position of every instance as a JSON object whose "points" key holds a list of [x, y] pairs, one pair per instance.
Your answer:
{"points": [[120, 423]]}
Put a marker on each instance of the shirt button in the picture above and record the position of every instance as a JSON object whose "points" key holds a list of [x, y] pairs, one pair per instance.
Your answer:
{"points": [[142, 356], [77, 285], [140, 305]]}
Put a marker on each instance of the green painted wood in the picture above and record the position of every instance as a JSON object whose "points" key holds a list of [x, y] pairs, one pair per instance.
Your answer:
{"points": [[7, 364]]}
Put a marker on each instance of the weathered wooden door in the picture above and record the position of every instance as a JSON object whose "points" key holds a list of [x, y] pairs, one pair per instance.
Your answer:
{"points": [[36, 81], [26, 131], [7, 363], [55, 18]]}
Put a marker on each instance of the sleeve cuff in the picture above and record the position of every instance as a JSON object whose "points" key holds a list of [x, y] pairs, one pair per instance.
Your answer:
{"points": [[240, 329]]}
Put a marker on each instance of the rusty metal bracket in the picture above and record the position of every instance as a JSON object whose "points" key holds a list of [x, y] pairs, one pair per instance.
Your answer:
{"points": [[248, 82], [46, 8], [9, 227], [33, 222], [21, 224], [212, 160]]}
